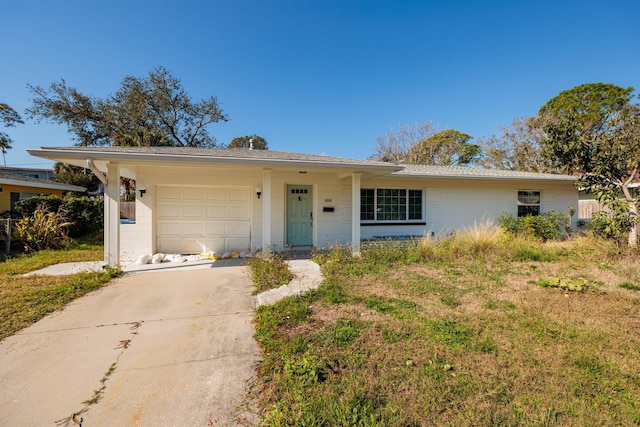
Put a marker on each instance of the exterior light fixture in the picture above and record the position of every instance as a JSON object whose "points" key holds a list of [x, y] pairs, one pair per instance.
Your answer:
{"points": [[259, 192]]}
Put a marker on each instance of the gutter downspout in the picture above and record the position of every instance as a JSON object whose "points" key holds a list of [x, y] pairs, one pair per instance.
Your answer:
{"points": [[92, 166]]}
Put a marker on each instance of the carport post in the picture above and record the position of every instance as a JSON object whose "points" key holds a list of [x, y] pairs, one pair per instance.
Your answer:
{"points": [[266, 210], [112, 216], [355, 212]]}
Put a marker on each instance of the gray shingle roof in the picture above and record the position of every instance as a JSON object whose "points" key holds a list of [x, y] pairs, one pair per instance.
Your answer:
{"points": [[275, 158], [475, 173]]}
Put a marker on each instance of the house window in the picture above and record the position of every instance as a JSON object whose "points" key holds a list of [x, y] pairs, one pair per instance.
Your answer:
{"points": [[367, 205], [390, 204], [528, 203]]}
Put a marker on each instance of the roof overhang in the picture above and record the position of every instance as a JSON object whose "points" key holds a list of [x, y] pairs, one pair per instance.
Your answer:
{"points": [[101, 157]]}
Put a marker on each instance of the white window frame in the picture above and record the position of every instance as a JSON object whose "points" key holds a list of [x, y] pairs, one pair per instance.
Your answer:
{"points": [[539, 204], [376, 209]]}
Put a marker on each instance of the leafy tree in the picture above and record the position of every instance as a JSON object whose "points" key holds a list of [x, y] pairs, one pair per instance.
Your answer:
{"points": [[516, 148], [591, 104], [75, 175], [9, 117], [594, 130], [142, 137], [448, 147], [258, 142], [394, 147], [149, 111]]}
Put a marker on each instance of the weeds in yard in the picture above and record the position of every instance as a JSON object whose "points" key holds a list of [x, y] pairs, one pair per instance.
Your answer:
{"points": [[269, 273], [439, 332]]}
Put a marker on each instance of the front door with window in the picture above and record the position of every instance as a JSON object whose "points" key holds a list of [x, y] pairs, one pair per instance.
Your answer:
{"points": [[299, 215]]}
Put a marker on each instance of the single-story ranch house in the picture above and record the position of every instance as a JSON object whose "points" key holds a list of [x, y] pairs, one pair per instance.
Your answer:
{"points": [[201, 200], [15, 187]]}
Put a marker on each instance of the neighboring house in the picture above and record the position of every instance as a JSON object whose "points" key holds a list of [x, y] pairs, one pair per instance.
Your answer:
{"points": [[198, 200], [38, 173], [14, 188]]}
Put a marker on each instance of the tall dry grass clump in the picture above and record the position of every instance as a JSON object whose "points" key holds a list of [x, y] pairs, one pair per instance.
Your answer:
{"points": [[425, 248], [482, 238]]}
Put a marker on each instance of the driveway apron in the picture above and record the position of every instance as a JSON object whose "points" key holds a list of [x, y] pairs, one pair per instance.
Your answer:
{"points": [[166, 348]]}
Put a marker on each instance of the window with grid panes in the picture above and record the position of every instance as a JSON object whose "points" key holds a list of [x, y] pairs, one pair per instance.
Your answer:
{"points": [[528, 203], [390, 204], [367, 205]]}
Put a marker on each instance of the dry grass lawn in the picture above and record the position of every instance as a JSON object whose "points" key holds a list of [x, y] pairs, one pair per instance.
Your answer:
{"points": [[401, 338]]}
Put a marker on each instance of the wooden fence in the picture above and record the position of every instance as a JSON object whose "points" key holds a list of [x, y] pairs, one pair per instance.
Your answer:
{"points": [[128, 210], [586, 209]]}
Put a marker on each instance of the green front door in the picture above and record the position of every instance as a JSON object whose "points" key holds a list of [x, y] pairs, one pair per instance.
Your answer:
{"points": [[299, 215]]}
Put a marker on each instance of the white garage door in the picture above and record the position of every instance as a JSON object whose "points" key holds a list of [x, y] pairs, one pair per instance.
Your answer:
{"points": [[194, 220]]}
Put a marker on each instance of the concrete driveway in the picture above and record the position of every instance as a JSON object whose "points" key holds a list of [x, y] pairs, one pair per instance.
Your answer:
{"points": [[165, 348]]}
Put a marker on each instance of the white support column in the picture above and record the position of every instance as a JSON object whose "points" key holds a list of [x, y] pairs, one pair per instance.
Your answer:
{"points": [[266, 210], [112, 216], [355, 212]]}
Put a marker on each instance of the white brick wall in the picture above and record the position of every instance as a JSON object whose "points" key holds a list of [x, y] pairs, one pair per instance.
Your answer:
{"points": [[448, 204]]}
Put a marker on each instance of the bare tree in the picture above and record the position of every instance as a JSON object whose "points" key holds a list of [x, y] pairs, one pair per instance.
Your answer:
{"points": [[517, 147], [395, 146]]}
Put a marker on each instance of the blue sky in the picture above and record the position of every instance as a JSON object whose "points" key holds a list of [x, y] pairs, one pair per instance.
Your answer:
{"points": [[321, 77]]}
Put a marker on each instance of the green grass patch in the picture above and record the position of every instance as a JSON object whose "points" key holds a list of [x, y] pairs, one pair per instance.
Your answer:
{"points": [[25, 300], [574, 285], [629, 286], [25, 263]]}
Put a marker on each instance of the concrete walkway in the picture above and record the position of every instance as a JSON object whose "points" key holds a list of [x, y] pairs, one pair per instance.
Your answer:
{"points": [[307, 276], [164, 348]]}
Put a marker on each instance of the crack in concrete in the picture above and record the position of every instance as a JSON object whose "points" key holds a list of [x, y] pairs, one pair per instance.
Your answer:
{"points": [[130, 323], [97, 394]]}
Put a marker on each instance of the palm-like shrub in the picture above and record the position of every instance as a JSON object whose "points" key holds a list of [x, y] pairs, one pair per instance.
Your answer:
{"points": [[44, 230]]}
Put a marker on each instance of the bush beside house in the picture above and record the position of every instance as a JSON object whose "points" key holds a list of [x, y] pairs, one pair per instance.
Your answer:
{"points": [[85, 214]]}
